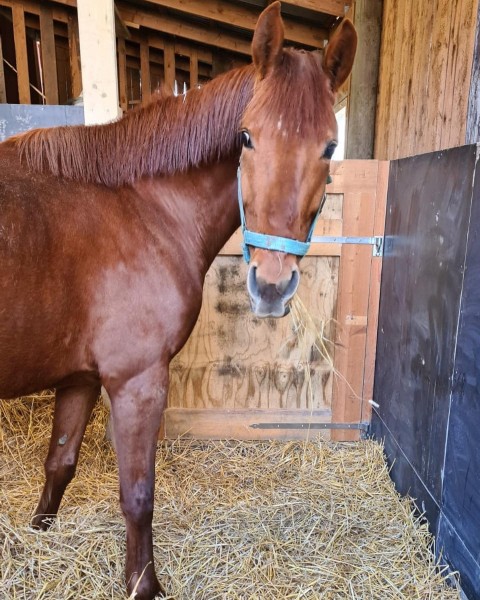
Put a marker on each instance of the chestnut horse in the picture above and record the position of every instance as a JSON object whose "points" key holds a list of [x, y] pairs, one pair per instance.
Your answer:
{"points": [[107, 232]]}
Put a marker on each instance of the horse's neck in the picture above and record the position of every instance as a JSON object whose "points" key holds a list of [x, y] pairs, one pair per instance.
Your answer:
{"points": [[200, 206]]}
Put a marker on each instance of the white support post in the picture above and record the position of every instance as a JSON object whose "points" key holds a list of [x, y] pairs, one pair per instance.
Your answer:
{"points": [[96, 24]]}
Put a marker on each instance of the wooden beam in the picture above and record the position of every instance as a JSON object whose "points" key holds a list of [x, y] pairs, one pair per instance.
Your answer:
{"points": [[177, 27], [157, 41], [74, 52], [241, 16], [181, 63], [145, 71], [71, 3], [96, 23], [169, 65], [122, 73], [193, 70], [362, 101], [49, 59], [336, 8], [20, 37], [59, 14], [120, 27], [203, 55], [3, 90]]}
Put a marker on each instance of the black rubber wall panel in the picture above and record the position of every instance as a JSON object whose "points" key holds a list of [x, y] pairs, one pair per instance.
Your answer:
{"points": [[427, 371]]}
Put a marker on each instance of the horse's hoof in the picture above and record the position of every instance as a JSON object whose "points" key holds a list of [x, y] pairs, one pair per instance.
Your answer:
{"points": [[42, 522], [147, 590]]}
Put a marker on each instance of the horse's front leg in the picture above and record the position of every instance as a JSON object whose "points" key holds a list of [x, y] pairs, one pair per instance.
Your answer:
{"points": [[137, 408], [73, 407]]}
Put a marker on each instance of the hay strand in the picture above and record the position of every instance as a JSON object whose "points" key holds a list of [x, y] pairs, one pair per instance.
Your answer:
{"points": [[233, 520]]}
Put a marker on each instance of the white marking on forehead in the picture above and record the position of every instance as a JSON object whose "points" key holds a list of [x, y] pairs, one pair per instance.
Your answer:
{"points": [[279, 124]]}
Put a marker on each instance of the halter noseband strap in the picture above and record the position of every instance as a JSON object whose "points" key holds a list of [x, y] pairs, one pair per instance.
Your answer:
{"points": [[273, 242]]}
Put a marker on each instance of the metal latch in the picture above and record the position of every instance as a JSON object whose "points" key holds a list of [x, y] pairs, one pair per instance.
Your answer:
{"points": [[376, 241], [314, 425]]}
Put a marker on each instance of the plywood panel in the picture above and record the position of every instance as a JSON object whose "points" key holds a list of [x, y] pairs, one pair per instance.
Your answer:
{"points": [[235, 361]]}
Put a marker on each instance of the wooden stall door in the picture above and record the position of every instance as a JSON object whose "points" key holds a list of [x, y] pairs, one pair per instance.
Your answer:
{"points": [[247, 378]]}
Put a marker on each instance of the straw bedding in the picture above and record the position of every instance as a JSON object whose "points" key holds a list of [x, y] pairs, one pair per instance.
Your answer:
{"points": [[232, 521]]}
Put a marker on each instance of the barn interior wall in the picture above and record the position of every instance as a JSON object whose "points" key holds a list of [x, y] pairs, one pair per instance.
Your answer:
{"points": [[427, 375], [425, 76]]}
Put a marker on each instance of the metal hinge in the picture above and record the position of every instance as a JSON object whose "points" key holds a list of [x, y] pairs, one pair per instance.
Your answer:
{"points": [[375, 241]]}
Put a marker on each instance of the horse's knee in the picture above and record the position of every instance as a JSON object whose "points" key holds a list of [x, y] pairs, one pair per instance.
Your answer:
{"points": [[61, 471], [137, 504]]}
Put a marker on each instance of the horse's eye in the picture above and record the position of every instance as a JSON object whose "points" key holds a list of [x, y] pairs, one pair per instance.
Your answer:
{"points": [[246, 139], [329, 150]]}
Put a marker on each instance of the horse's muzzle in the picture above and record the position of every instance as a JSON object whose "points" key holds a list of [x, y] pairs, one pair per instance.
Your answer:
{"points": [[270, 299]]}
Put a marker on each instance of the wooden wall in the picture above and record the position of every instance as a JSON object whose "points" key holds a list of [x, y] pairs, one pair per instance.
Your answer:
{"points": [[425, 76], [237, 371]]}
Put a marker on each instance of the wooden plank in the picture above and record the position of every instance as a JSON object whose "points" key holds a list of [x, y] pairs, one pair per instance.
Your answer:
{"points": [[74, 51], [49, 58], [145, 71], [169, 65], [3, 90], [59, 13], [122, 74], [473, 113], [157, 41], [352, 307], [246, 18], [174, 26], [402, 57], [157, 59], [211, 424], [338, 8], [193, 69], [20, 37], [385, 81], [419, 139], [465, 40], [374, 292], [438, 70]]}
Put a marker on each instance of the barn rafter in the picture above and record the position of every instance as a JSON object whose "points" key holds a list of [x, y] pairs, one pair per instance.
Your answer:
{"points": [[157, 41]]}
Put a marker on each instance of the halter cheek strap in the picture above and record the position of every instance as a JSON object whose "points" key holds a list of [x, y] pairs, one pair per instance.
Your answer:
{"points": [[273, 242]]}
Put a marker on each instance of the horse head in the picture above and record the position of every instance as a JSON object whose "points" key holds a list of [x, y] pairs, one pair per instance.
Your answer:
{"points": [[289, 133]]}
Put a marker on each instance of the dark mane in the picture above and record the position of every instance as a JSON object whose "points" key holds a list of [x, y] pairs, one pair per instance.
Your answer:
{"points": [[168, 135]]}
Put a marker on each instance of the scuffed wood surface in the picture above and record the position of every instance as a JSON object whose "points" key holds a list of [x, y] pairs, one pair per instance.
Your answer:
{"points": [[233, 360]]}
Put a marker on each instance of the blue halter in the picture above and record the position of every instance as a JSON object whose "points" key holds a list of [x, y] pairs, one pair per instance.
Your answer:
{"points": [[273, 242]]}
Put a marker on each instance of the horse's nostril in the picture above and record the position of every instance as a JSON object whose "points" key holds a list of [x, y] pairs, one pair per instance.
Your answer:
{"points": [[292, 285], [252, 284]]}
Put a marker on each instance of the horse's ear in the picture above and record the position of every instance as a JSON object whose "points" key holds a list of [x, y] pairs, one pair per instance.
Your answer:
{"points": [[267, 44], [339, 54]]}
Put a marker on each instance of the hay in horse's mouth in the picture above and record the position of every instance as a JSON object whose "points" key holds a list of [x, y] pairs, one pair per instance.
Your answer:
{"points": [[232, 520]]}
